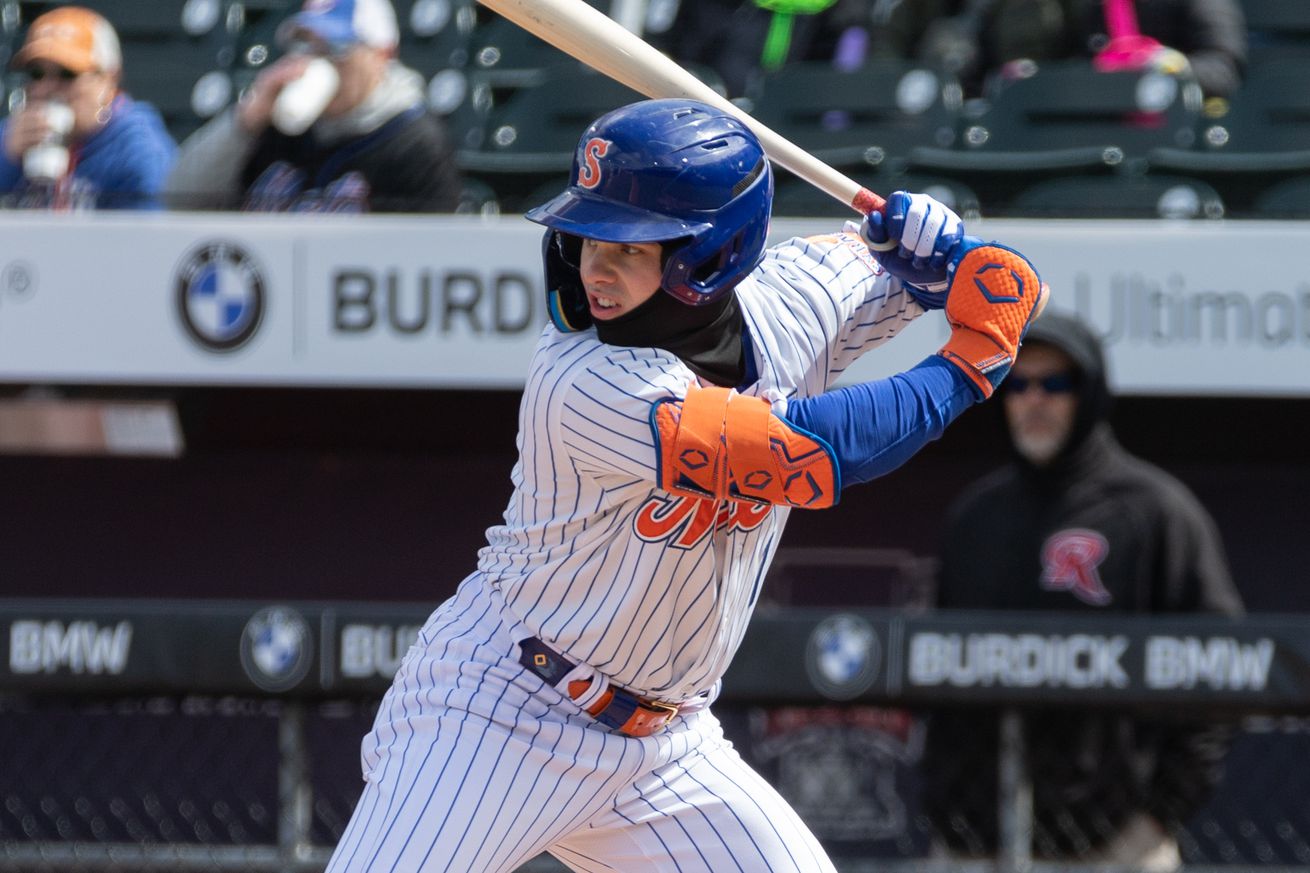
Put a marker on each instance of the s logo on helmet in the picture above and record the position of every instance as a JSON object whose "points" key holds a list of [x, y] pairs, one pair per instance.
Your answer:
{"points": [[589, 167]]}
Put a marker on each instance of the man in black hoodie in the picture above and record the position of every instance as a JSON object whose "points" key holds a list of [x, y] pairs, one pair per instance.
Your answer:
{"points": [[1076, 523]]}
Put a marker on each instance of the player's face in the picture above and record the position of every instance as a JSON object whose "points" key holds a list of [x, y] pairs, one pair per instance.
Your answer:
{"points": [[619, 277], [1041, 415]]}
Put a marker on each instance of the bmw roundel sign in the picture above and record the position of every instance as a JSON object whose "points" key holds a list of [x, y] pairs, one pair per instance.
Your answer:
{"points": [[220, 296]]}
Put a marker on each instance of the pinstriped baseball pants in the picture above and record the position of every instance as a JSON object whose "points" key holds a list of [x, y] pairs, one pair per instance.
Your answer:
{"points": [[474, 765]]}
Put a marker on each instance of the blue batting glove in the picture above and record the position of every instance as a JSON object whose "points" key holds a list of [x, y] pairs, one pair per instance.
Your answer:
{"points": [[913, 239]]}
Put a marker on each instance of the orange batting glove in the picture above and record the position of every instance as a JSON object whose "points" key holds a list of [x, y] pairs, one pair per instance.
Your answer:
{"points": [[995, 293]]}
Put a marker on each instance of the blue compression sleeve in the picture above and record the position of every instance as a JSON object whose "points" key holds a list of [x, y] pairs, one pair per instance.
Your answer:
{"points": [[874, 427]]}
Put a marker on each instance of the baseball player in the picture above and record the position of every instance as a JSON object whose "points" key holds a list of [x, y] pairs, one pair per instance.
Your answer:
{"points": [[676, 410]]}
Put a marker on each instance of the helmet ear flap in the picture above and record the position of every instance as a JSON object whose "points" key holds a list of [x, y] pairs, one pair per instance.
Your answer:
{"points": [[566, 300], [704, 270]]}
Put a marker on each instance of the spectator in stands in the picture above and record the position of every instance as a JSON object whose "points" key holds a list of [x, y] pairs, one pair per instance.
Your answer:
{"points": [[743, 39], [374, 147], [76, 140], [1076, 523], [1206, 37]]}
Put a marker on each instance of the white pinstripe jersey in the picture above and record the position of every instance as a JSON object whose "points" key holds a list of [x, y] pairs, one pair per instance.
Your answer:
{"points": [[653, 589]]}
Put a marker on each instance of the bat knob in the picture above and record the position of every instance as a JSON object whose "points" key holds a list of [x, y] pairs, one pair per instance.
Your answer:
{"points": [[1044, 296]]}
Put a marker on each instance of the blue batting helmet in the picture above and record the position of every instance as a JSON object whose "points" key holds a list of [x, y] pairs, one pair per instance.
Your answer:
{"points": [[676, 171]]}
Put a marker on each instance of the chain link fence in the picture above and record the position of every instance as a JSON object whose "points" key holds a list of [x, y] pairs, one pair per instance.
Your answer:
{"points": [[197, 783]]}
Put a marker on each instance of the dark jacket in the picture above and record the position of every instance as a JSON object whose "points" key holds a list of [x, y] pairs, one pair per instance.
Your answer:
{"points": [[406, 165], [1097, 530]]}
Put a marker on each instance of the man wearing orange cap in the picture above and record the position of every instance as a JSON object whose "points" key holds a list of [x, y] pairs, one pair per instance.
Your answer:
{"points": [[76, 139]]}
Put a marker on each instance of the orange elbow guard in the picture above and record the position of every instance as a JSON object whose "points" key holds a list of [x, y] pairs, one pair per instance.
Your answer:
{"points": [[720, 445]]}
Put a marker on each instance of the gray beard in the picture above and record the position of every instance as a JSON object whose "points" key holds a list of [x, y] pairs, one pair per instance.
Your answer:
{"points": [[1038, 450]]}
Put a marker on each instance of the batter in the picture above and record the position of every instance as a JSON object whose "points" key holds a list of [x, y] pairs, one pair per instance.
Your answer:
{"points": [[676, 411]]}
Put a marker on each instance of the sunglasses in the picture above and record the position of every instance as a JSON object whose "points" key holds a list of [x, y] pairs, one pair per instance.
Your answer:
{"points": [[37, 74], [1056, 383]]}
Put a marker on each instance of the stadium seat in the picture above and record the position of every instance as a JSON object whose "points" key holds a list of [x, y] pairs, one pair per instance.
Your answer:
{"points": [[10, 26], [794, 197], [255, 23], [866, 118], [531, 136], [508, 56], [435, 34], [1277, 30], [169, 75], [435, 38], [132, 20], [548, 188], [477, 198], [200, 23], [1118, 196], [1289, 198], [1290, 17], [1263, 138], [256, 28], [475, 59], [1065, 118]]}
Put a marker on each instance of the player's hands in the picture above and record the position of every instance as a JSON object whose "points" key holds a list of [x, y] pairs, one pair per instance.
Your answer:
{"points": [[255, 110], [995, 293], [913, 239]]}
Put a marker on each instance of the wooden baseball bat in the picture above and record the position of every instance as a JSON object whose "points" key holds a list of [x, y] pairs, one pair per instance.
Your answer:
{"points": [[594, 38]]}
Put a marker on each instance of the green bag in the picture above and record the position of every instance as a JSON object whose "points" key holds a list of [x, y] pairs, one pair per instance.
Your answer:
{"points": [[778, 40]]}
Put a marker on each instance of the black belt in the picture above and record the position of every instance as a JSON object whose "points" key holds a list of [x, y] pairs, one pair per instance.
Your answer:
{"points": [[617, 708]]}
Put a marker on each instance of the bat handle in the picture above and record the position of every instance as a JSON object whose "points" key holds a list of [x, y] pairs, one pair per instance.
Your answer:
{"points": [[865, 201]]}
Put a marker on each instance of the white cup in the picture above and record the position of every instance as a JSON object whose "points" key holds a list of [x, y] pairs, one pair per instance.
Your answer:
{"points": [[59, 116], [302, 101], [48, 160]]}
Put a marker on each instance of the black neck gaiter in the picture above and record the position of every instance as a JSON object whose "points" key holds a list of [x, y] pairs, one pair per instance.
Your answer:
{"points": [[707, 338]]}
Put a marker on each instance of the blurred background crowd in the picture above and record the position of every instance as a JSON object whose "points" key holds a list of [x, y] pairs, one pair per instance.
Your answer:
{"points": [[1070, 108]]}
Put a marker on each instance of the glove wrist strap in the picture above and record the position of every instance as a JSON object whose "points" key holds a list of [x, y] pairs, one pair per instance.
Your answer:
{"points": [[978, 357]]}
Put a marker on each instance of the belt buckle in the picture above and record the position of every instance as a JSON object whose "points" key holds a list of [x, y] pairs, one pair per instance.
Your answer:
{"points": [[670, 708], [651, 716]]}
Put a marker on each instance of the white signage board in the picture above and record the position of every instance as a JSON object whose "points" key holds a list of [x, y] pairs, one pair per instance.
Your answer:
{"points": [[1187, 308]]}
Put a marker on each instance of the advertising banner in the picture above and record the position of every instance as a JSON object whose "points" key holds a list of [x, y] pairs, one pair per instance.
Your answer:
{"points": [[458, 302], [807, 656]]}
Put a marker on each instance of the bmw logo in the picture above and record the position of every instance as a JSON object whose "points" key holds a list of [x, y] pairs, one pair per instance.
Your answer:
{"points": [[220, 296], [276, 648], [842, 656]]}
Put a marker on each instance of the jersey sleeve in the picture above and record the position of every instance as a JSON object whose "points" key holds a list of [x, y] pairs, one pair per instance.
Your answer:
{"points": [[604, 414], [846, 303]]}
